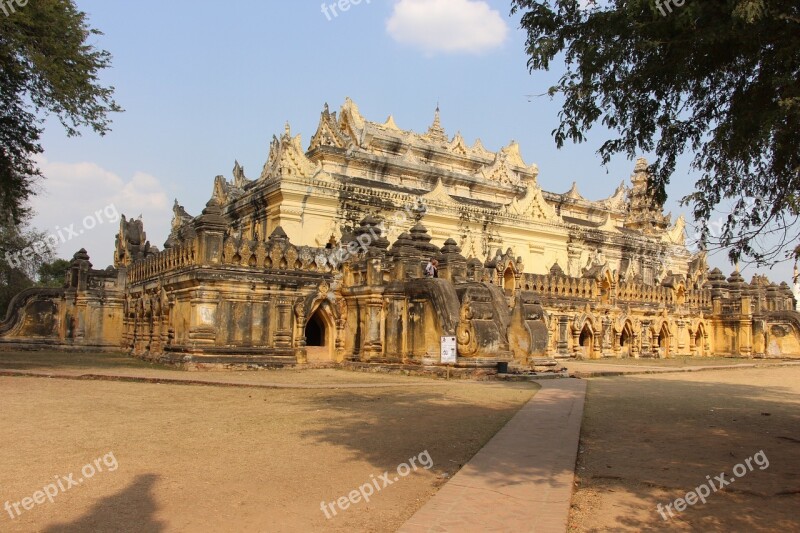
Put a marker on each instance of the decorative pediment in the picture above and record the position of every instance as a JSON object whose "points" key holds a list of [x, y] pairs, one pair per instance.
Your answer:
{"points": [[597, 272], [513, 155], [676, 234], [608, 223], [532, 204], [390, 124], [239, 178], [458, 146], [499, 171], [479, 150], [328, 132], [439, 195], [351, 123], [503, 261], [287, 159], [221, 189], [513, 158], [179, 216], [409, 157], [573, 192], [617, 200]]}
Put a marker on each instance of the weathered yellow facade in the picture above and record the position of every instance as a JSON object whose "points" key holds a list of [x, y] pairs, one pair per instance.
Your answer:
{"points": [[320, 260]]}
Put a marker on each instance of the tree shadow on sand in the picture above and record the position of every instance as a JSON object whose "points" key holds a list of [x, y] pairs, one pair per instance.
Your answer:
{"points": [[390, 428], [132, 509], [688, 429], [652, 440]]}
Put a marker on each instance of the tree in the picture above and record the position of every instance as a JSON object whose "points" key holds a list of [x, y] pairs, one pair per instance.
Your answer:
{"points": [[46, 66], [18, 268], [52, 274], [714, 78]]}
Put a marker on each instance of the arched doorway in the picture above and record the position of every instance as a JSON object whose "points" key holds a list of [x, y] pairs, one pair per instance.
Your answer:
{"points": [[605, 289], [700, 341], [509, 281], [315, 331], [626, 340], [319, 335], [663, 341], [586, 342]]}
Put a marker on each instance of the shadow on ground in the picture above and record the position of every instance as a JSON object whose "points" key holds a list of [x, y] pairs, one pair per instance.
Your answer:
{"points": [[650, 440], [132, 509], [384, 429]]}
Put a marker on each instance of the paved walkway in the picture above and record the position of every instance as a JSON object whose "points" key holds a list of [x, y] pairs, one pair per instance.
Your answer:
{"points": [[522, 479]]}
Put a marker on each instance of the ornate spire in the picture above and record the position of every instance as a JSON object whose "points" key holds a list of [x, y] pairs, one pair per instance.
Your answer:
{"points": [[644, 213], [436, 132]]}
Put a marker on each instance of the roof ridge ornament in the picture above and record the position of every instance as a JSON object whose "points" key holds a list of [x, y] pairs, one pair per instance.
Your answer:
{"points": [[573, 192]]}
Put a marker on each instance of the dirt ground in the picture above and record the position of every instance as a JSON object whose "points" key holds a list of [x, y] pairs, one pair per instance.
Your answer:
{"points": [[203, 458], [674, 362], [647, 440]]}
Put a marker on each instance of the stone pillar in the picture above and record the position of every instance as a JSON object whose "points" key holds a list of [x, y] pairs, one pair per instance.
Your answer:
{"points": [[299, 331], [210, 227], [681, 344], [576, 339], [646, 337], [373, 342], [283, 333], [396, 328], [453, 265], [203, 328], [563, 335], [607, 337], [573, 260]]}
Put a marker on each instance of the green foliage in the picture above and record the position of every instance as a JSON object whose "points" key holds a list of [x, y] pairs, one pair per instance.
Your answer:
{"points": [[52, 274], [46, 66], [17, 270], [716, 78]]}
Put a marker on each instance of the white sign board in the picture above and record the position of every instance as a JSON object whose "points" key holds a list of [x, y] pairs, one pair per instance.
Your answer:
{"points": [[448, 350]]}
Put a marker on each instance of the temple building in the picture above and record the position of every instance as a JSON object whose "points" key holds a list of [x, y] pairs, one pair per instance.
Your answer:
{"points": [[319, 260]]}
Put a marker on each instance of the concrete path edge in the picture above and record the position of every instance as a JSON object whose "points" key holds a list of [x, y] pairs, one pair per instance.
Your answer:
{"points": [[522, 479]]}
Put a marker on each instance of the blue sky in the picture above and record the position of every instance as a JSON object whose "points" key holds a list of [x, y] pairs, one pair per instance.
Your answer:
{"points": [[206, 83]]}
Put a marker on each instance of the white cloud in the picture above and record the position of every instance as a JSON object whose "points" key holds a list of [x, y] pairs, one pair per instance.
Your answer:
{"points": [[73, 193], [450, 26]]}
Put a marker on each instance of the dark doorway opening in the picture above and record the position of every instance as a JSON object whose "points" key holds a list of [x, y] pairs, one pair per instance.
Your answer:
{"points": [[315, 331]]}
